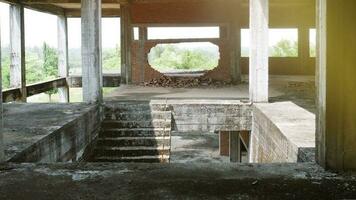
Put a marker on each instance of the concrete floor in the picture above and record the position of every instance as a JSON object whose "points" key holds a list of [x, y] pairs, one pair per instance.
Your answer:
{"points": [[298, 89], [195, 147], [174, 181]]}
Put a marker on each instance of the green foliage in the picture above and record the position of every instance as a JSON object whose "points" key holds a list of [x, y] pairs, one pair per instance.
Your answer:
{"points": [[5, 61], [50, 65], [111, 60], [285, 48], [173, 57]]}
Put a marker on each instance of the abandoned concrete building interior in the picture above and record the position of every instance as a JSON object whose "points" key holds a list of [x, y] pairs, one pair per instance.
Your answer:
{"points": [[263, 122]]}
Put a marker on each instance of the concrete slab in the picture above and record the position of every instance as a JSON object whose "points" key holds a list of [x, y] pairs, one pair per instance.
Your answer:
{"points": [[282, 132], [173, 181], [202, 148], [298, 89], [28, 124]]}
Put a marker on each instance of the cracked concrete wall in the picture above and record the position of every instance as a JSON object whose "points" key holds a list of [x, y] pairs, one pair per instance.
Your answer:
{"points": [[210, 117], [68, 143]]}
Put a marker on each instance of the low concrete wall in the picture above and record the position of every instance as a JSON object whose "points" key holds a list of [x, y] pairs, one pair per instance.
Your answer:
{"points": [[64, 143], [282, 132], [210, 115]]}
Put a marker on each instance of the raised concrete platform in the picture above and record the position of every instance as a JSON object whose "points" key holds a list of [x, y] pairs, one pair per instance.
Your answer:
{"points": [[173, 181], [282, 132], [48, 132]]}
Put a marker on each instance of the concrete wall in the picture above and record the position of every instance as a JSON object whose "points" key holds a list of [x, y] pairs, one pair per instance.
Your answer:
{"points": [[209, 116], [338, 143], [68, 143], [291, 14], [282, 132]]}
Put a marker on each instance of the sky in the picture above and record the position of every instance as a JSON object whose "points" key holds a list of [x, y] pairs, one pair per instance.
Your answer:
{"points": [[42, 27]]}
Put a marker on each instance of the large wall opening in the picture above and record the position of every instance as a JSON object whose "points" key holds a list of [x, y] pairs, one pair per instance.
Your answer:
{"points": [[184, 58]]}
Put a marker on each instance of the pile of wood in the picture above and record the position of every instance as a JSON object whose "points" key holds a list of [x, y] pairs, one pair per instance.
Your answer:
{"points": [[185, 82]]}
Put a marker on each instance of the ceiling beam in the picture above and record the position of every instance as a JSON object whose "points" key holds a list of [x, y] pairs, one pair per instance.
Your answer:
{"points": [[112, 12], [46, 8], [65, 1]]}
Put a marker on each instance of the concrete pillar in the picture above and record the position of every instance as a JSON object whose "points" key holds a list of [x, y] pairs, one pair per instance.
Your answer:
{"points": [[235, 45], [91, 51], [17, 49], [336, 124], [258, 71], [303, 46], [63, 69], [235, 146], [126, 34], [143, 56], [2, 156]]}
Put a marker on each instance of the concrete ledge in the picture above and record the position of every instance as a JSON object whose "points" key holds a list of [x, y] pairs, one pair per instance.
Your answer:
{"points": [[282, 132], [48, 132]]}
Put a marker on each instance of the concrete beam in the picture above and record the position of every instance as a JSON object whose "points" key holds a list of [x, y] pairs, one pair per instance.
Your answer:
{"points": [[17, 49], [126, 34], [63, 69], [13, 94], [91, 51], [2, 153], [109, 80], [105, 12], [258, 81]]}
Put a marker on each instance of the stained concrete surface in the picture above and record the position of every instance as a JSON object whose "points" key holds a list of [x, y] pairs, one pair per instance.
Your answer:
{"points": [[26, 124], [298, 89], [173, 181], [196, 147]]}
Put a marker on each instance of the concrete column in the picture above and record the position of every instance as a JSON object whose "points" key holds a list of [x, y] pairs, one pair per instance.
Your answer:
{"points": [[143, 56], [258, 81], [235, 45], [63, 69], [126, 34], [336, 121], [91, 51], [2, 155], [303, 46], [17, 49], [235, 146]]}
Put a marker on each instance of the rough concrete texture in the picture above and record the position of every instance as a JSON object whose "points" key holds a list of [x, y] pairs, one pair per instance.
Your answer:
{"points": [[282, 132], [173, 181], [193, 148], [48, 132], [210, 115]]}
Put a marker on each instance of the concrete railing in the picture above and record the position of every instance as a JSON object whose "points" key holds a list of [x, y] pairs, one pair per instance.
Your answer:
{"points": [[14, 94]]}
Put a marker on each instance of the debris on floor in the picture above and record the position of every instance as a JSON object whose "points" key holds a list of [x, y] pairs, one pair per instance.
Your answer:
{"points": [[185, 82]]}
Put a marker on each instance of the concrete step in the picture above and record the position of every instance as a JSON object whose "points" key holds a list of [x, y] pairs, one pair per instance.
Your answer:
{"points": [[137, 132], [141, 159], [161, 123], [138, 116], [132, 151], [133, 141]]}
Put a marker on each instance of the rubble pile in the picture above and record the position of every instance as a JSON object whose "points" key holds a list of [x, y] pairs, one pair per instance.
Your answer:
{"points": [[185, 82]]}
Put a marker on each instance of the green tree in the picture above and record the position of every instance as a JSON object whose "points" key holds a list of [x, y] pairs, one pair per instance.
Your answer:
{"points": [[50, 65], [285, 48]]}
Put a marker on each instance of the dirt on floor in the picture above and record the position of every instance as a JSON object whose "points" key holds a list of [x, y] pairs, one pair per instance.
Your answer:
{"points": [[172, 181]]}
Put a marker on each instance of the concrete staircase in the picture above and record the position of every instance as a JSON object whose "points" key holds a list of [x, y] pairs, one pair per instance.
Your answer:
{"points": [[134, 132]]}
